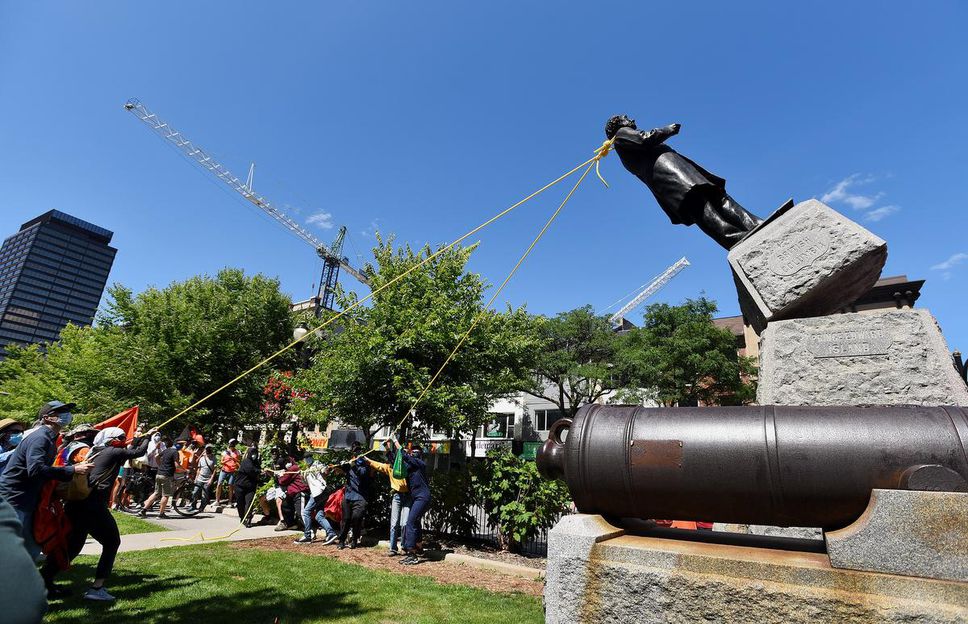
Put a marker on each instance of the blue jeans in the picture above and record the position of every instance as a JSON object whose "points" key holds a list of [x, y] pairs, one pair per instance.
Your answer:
{"points": [[414, 531], [320, 518], [27, 522], [399, 512]]}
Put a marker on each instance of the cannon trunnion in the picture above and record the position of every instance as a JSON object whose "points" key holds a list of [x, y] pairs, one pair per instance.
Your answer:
{"points": [[774, 465]]}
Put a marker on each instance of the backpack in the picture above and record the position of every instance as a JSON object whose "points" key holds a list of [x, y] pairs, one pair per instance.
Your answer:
{"points": [[334, 505], [78, 488]]}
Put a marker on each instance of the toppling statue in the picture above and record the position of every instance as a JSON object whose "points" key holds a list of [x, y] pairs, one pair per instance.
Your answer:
{"points": [[686, 192]]}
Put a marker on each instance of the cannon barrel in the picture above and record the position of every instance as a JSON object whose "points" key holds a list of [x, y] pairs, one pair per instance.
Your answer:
{"points": [[773, 465]]}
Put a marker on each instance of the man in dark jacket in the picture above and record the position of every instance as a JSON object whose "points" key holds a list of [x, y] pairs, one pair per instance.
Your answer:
{"points": [[22, 598], [31, 467], [91, 516], [685, 191], [420, 491], [354, 500]]}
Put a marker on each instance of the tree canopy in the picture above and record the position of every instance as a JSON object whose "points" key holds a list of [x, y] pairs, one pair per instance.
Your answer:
{"points": [[576, 360], [161, 349], [375, 364], [679, 356]]}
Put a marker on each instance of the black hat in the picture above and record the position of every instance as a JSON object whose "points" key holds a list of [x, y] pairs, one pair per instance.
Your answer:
{"points": [[54, 407]]}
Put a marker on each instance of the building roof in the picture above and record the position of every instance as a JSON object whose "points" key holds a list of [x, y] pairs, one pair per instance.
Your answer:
{"points": [[56, 216]]}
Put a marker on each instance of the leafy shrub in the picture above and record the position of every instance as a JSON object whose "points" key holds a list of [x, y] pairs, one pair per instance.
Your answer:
{"points": [[453, 497], [517, 501]]}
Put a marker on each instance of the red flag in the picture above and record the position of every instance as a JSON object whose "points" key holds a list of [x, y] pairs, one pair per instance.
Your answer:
{"points": [[127, 420]]}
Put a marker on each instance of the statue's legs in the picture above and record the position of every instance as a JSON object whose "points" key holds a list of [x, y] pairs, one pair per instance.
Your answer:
{"points": [[721, 217], [737, 215]]}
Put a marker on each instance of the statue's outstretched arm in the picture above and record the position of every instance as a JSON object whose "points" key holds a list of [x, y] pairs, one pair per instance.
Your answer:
{"points": [[630, 138]]}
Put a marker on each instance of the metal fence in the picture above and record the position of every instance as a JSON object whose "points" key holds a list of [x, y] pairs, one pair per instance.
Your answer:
{"points": [[535, 546]]}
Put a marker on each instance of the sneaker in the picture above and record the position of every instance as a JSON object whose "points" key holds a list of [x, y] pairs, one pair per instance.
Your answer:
{"points": [[143, 513], [98, 593], [329, 540], [162, 516], [410, 560], [281, 527], [341, 546], [393, 553], [57, 591], [352, 545], [304, 540]]}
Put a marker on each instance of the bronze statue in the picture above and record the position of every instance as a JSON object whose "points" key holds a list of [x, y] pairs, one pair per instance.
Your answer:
{"points": [[686, 192]]}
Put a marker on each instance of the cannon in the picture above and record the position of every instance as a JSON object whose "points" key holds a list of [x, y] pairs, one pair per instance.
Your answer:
{"points": [[772, 465]]}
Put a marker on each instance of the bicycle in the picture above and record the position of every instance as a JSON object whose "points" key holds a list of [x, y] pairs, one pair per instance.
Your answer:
{"points": [[138, 486], [184, 500]]}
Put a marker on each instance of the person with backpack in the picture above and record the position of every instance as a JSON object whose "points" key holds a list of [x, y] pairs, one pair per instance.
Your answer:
{"points": [[401, 500], [31, 467], [91, 514], [313, 510]]}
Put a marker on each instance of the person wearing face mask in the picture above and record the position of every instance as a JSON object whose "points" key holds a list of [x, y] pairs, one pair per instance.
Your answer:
{"points": [[246, 483], [420, 491], [91, 515], [30, 467], [11, 433]]}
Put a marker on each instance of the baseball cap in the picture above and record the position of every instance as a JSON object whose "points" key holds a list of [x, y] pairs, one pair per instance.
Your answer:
{"points": [[53, 407], [9, 422]]}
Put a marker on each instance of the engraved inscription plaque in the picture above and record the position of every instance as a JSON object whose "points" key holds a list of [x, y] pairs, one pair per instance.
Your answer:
{"points": [[851, 344], [799, 254]]}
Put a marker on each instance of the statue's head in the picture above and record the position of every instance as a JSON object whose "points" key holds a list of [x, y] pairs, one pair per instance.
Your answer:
{"points": [[615, 123]]}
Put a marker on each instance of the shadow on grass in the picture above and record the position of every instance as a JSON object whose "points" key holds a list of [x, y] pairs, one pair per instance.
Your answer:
{"points": [[141, 598]]}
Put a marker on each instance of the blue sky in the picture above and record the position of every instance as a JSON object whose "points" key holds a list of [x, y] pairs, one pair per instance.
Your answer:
{"points": [[423, 119]]}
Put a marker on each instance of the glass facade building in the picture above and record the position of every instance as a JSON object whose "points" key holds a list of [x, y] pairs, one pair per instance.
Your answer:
{"points": [[52, 272]]}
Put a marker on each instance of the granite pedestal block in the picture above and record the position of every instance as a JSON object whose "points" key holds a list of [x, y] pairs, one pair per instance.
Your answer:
{"points": [[884, 357], [597, 574], [805, 260], [907, 532]]}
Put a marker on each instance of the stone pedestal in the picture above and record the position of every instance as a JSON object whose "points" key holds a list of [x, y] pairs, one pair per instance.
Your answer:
{"points": [[598, 574], [805, 260], [914, 533], [884, 357]]}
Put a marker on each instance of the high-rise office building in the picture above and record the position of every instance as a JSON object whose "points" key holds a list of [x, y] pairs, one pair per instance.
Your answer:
{"points": [[52, 272]]}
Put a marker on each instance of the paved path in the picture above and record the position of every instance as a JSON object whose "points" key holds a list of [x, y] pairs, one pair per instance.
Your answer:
{"points": [[185, 531]]}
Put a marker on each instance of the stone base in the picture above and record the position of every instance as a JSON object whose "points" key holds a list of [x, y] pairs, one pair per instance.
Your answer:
{"points": [[883, 357], [806, 260], [915, 533], [598, 574]]}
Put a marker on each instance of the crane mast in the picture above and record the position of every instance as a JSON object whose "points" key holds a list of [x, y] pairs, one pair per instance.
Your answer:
{"points": [[650, 290], [332, 261]]}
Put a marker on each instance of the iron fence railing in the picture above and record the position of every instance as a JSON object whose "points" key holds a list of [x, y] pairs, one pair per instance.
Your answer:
{"points": [[537, 545]]}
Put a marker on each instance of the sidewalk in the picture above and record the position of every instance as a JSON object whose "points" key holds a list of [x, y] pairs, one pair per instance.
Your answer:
{"points": [[184, 531]]}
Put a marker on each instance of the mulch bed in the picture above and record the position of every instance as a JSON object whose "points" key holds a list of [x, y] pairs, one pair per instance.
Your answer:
{"points": [[494, 554], [376, 558]]}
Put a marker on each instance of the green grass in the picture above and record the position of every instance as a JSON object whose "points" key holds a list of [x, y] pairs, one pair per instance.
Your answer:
{"points": [[129, 525], [215, 583]]}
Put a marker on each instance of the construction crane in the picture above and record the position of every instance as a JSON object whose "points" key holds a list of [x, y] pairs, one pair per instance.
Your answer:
{"points": [[331, 254], [653, 287]]}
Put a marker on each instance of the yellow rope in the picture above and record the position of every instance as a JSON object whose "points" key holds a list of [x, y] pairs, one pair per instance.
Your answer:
{"points": [[600, 153], [497, 292], [377, 291]]}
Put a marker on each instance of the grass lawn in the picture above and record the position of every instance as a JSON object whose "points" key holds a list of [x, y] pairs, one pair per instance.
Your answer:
{"points": [[215, 583], [128, 524]]}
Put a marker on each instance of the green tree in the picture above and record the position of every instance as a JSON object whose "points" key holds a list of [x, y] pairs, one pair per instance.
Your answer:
{"points": [[373, 367], [161, 349], [679, 356], [575, 363]]}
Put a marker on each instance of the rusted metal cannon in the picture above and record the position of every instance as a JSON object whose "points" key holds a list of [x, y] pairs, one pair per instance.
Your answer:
{"points": [[773, 465]]}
